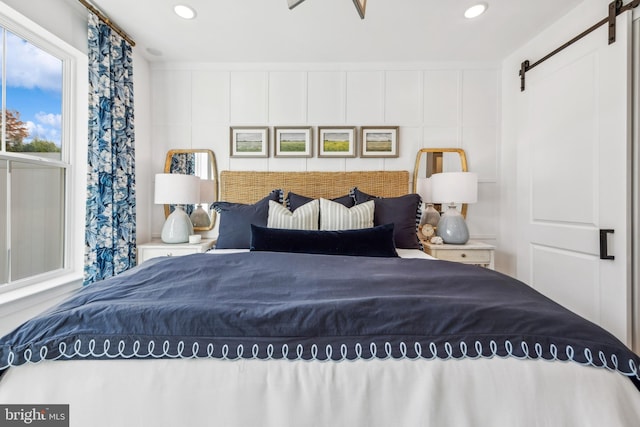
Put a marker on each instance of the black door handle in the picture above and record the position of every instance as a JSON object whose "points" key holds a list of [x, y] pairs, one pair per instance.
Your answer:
{"points": [[604, 250]]}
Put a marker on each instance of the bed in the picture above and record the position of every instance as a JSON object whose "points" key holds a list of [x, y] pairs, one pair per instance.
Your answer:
{"points": [[288, 338]]}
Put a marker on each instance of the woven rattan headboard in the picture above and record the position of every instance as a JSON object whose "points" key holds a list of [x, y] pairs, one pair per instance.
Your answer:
{"points": [[249, 186]]}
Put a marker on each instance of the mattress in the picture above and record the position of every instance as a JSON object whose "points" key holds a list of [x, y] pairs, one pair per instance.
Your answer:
{"points": [[486, 392]]}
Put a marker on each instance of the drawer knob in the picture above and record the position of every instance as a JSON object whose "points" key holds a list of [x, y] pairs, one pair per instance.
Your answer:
{"points": [[463, 255], [169, 254]]}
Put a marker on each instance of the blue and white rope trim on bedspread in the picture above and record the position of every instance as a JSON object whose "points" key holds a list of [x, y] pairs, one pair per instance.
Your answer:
{"points": [[302, 307], [299, 352]]}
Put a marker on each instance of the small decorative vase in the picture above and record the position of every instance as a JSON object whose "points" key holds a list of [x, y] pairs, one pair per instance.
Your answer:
{"points": [[200, 218], [430, 216]]}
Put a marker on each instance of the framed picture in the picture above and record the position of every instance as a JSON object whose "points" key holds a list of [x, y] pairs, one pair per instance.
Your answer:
{"points": [[293, 141], [337, 141], [252, 141], [381, 141]]}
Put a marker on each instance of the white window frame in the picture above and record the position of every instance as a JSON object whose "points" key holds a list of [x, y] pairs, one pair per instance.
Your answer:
{"points": [[74, 157]]}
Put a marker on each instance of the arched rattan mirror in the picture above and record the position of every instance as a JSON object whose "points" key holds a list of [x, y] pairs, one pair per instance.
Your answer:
{"points": [[436, 160], [201, 163]]}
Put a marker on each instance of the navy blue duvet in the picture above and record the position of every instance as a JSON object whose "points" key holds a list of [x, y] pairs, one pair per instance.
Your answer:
{"points": [[299, 306]]}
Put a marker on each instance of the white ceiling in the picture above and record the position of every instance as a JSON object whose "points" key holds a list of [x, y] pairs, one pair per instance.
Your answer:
{"points": [[331, 30]]}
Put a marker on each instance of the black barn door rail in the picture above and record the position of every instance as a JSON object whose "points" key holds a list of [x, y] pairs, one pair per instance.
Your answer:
{"points": [[615, 8]]}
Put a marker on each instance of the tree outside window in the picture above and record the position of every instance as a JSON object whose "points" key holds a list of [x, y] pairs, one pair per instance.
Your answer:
{"points": [[17, 131]]}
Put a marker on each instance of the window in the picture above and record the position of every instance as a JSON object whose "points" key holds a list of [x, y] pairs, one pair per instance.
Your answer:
{"points": [[41, 180]]}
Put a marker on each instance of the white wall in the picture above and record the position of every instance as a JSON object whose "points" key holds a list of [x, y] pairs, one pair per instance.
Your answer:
{"points": [[435, 105], [143, 146], [65, 19]]}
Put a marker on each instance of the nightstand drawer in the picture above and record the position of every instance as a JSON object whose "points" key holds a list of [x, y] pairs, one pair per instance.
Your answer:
{"points": [[465, 256], [149, 253], [476, 253], [155, 249]]}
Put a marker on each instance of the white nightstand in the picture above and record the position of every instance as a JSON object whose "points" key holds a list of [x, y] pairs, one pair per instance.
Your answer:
{"points": [[476, 253], [156, 248]]}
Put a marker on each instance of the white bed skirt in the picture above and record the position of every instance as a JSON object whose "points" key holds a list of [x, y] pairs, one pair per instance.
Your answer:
{"points": [[276, 393]]}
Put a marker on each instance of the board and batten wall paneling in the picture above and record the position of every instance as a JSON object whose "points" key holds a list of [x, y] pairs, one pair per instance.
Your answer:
{"points": [[403, 97], [365, 97], [479, 136], [171, 98], [480, 121], [326, 96], [288, 98], [441, 98], [435, 105], [249, 97], [209, 97], [287, 107], [249, 105]]}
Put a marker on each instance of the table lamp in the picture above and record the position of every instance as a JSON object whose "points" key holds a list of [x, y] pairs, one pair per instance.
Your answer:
{"points": [[452, 188], [200, 217], [429, 215], [177, 189]]}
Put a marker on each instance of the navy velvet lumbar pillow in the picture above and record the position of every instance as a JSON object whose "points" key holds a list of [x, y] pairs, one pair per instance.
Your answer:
{"points": [[372, 242]]}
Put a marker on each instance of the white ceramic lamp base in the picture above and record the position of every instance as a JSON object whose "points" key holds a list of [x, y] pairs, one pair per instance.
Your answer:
{"points": [[452, 227], [177, 228]]}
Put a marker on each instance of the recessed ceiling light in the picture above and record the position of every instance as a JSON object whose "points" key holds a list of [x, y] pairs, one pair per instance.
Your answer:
{"points": [[184, 11], [475, 10]]}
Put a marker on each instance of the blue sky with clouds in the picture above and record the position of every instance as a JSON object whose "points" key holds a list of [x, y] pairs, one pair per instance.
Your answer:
{"points": [[34, 88]]}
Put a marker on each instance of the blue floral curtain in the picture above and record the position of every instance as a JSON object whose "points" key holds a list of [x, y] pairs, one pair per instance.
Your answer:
{"points": [[110, 233]]}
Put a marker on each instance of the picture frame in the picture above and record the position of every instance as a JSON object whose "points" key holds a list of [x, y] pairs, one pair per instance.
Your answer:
{"points": [[293, 141], [338, 141], [379, 141], [249, 141]]}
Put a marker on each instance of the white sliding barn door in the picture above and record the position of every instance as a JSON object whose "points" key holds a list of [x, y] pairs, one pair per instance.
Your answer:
{"points": [[574, 178]]}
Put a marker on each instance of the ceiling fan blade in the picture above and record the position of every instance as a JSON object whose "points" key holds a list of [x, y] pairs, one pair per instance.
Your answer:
{"points": [[294, 3], [361, 5]]}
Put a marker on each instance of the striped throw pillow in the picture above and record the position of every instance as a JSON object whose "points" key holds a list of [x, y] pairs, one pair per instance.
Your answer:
{"points": [[334, 216], [303, 218]]}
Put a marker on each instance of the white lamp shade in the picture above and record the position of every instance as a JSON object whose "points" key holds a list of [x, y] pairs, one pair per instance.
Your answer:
{"points": [[207, 190], [454, 187], [423, 188], [176, 189]]}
